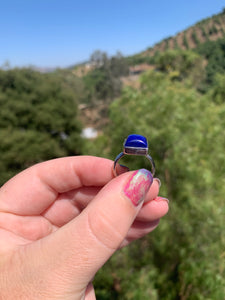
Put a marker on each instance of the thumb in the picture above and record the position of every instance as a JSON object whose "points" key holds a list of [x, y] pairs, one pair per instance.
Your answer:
{"points": [[82, 246]]}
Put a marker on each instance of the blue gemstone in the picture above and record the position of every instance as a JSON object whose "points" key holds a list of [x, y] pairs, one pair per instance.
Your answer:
{"points": [[136, 140]]}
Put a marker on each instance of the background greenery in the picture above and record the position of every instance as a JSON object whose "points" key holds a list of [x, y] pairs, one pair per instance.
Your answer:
{"points": [[180, 107], [38, 119]]}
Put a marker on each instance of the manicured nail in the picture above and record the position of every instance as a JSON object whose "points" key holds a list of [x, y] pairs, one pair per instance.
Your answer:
{"points": [[158, 180], [138, 185]]}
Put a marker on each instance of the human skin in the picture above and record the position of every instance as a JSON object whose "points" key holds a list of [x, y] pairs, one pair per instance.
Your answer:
{"points": [[61, 220]]}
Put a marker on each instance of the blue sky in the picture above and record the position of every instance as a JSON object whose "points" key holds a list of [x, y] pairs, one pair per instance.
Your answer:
{"points": [[49, 33]]}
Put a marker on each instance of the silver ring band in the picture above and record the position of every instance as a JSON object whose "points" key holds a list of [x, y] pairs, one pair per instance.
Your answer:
{"points": [[119, 156]]}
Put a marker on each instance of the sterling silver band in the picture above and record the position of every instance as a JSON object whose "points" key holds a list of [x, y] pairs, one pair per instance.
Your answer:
{"points": [[119, 156]]}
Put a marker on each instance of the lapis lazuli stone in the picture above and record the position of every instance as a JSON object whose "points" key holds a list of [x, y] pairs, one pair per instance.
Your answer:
{"points": [[136, 141]]}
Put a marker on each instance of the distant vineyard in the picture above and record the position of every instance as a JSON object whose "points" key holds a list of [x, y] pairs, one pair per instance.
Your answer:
{"points": [[209, 29]]}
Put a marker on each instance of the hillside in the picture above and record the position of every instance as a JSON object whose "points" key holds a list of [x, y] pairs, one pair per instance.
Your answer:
{"points": [[209, 29], [212, 30]]}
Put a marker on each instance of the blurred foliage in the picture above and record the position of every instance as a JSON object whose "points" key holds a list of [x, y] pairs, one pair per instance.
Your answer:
{"points": [[217, 93], [214, 53], [180, 64], [103, 81], [185, 41], [184, 258], [37, 119], [195, 37], [139, 59]]}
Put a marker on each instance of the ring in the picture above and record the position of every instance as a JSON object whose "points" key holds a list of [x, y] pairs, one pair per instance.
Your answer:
{"points": [[135, 144]]}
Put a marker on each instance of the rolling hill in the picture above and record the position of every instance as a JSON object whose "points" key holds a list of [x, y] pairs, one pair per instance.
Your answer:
{"points": [[209, 29]]}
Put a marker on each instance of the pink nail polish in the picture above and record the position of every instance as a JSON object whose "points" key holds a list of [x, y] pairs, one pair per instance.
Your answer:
{"points": [[138, 185]]}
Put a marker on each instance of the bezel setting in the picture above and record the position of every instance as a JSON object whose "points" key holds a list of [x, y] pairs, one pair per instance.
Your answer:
{"points": [[135, 144]]}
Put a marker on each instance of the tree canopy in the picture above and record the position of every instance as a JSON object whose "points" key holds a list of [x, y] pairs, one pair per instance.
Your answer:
{"points": [[103, 82], [214, 53], [38, 119]]}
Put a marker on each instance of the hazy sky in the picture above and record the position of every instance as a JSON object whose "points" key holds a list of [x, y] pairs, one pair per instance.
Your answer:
{"points": [[49, 33]]}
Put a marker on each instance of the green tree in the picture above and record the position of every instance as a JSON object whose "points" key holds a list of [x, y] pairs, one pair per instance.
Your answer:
{"points": [[195, 37], [181, 64], [185, 41], [38, 120], [217, 91], [214, 53], [204, 34], [98, 58], [103, 82]]}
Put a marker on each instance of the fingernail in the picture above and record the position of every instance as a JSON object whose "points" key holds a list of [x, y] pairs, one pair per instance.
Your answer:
{"points": [[158, 180], [120, 169], [124, 167], [138, 185], [162, 199]]}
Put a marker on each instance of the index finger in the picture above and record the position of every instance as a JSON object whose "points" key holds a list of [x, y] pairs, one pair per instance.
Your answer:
{"points": [[36, 188]]}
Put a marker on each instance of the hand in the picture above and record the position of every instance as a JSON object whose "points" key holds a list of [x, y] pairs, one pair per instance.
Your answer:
{"points": [[61, 220]]}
